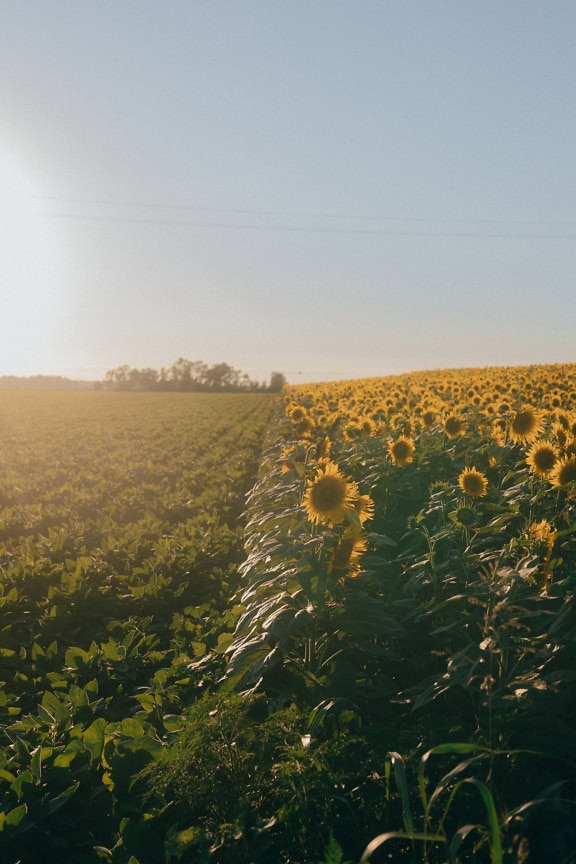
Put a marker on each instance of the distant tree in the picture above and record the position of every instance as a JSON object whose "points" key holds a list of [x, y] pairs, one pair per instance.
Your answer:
{"points": [[117, 379], [277, 382], [222, 376], [188, 375], [143, 379]]}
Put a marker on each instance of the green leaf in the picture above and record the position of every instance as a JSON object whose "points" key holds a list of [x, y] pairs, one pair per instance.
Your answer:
{"points": [[132, 728], [93, 738], [60, 800], [70, 752], [179, 842], [395, 760], [22, 780], [36, 763], [14, 817]]}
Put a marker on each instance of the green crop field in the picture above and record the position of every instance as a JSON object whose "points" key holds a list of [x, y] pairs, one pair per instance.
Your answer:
{"points": [[331, 627], [119, 540]]}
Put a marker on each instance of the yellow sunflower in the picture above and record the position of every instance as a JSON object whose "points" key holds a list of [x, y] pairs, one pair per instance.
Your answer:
{"points": [[367, 425], [473, 482], [323, 449], [330, 496], [560, 434], [304, 427], [454, 425], [351, 431], [348, 551], [402, 450], [526, 425], [564, 472], [364, 506], [296, 413], [542, 458], [287, 459], [542, 532], [428, 419]]}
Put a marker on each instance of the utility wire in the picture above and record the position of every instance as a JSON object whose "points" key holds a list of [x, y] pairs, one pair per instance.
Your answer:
{"points": [[300, 214], [525, 235]]}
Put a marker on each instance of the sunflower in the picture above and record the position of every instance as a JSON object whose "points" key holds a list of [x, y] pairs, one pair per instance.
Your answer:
{"points": [[287, 459], [564, 472], [454, 425], [542, 532], [541, 458], [367, 425], [473, 482], [323, 449], [296, 413], [401, 450], [348, 551], [329, 496], [304, 427], [560, 434], [351, 431], [364, 506], [526, 425], [428, 419]]}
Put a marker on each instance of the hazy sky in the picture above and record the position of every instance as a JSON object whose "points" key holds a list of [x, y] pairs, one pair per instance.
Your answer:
{"points": [[327, 188]]}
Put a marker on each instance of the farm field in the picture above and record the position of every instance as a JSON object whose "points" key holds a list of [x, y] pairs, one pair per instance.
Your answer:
{"points": [[370, 657], [119, 544]]}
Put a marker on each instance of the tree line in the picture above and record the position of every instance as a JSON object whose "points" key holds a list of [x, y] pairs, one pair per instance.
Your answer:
{"points": [[42, 382], [188, 376]]}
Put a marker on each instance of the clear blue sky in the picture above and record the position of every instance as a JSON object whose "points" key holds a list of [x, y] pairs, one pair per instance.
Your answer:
{"points": [[328, 188]]}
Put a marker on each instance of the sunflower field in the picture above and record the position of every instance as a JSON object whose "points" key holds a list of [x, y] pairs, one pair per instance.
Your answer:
{"points": [[410, 579], [330, 627]]}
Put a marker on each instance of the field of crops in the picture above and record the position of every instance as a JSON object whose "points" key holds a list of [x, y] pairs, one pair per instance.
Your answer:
{"points": [[371, 657], [119, 544]]}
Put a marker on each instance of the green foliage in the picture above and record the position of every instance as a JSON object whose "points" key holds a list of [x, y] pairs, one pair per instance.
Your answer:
{"points": [[257, 789], [119, 544], [458, 627], [187, 676]]}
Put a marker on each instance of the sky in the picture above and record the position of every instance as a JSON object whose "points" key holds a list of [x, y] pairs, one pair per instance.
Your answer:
{"points": [[325, 188]]}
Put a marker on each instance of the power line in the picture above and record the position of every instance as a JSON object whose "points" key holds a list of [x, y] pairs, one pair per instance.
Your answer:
{"points": [[300, 214], [391, 232]]}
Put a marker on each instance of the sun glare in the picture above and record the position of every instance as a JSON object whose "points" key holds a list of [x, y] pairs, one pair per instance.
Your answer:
{"points": [[31, 299]]}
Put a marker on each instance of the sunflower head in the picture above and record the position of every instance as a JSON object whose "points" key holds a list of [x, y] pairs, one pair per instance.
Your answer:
{"points": [[564, 472], [473, 483], [428, 419], [541, 458], [288, 459], [454, 425], [401, 450], [364, 506], [296, 413], [304, 427], [542, 532], [526, 425], [560, 434], [367, 425], [329, 496], [323, 449], [351, 431], [348, 551]]}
